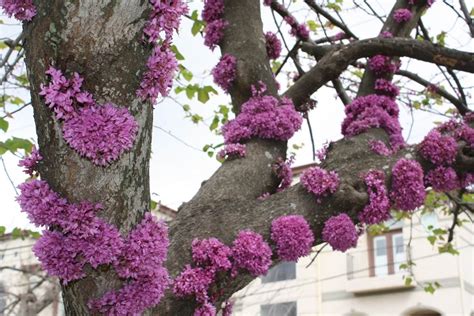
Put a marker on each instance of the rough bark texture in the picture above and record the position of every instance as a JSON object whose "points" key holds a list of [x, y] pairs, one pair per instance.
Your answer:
{"points": [[101, 40]]}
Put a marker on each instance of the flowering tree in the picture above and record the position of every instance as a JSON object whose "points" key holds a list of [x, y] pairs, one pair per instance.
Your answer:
{"points": [[96, 67]]}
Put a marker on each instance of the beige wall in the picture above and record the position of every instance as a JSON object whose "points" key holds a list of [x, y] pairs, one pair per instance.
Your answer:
{"points": [[325, 289]]}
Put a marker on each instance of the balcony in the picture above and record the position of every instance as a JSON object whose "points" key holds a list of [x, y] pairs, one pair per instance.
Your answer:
{"points": [[373, 270]]}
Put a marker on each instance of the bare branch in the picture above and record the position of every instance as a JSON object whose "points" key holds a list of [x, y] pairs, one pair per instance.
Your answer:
{"points": [[467, 16], [462, 108], [336, 61]]}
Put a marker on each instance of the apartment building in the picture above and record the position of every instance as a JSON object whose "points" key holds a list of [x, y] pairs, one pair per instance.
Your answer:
{"points": [[371, 278]]}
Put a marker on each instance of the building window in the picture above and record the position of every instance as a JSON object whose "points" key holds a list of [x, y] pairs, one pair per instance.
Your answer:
{"points": [[280, 309], [386, 253], [281, 272]]}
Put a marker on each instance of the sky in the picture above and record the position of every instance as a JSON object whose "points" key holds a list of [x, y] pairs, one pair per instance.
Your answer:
{"points": [[178, 164]]}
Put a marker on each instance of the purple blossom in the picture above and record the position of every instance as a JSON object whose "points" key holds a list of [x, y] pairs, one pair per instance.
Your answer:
{"points": [[438, 149], [264, 196], [467, 134], [298, 30], [263, 117], [193, 282], [165, 17], [402, 15], [252, 253], [408, 191], [43, 206], [378, 209], [227, 310], [224, 72], [63, 95], [373, 111], [267, 2], [213, 10], [273, 45], [232, 151], [30, 162], [322, 152], [320, 182], [386, 87], [443, 179], [102, 245], [101, 133], [340, 232], [158, 79], [206, 309], [467, 179], [283, 171], [211, 253], [386, 34], [382, 65], [379, 147], [23, 10], [214, 32], [144, 250], [58, 258], [134, 297], [293, 237], [469, 117]]}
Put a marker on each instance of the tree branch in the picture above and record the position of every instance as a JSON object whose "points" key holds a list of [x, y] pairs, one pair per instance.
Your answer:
{"points": [[462, 108], [336, 61]]}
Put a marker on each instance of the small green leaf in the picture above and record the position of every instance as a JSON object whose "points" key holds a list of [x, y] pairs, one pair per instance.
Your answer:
{"points": [[203, 96], [2, 230], [3, 124], [408, 281], [432, 239], [153, 204], [3, 45], [214, 124]]}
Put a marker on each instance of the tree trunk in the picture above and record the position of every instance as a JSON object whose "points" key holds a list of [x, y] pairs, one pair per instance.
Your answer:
{"points": [[101, 40]]}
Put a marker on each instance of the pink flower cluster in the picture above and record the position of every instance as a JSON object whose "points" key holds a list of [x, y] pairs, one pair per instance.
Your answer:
{"points": [[386, 87], [250, 252], [382, 65], [158, 79], [30, 162], [162, 64], [298, 30], [408, 191], [340, 232], [23, 10], [232, 151], [379, 147], [402, 15], [164, 18], [215, 25], [378, 209], [293, 237], [320, 182], [101, 133], [373, 111], [443, 179], [438, 149], [211, 253], [265, 117], [87, 238], [273, 45], [224, 72], [322, 152], [283, 171], [64, 96], [140, 263]]}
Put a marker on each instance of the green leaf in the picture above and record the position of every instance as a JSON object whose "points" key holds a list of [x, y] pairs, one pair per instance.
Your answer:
{"points": [[186, 107], [2, 230], [191, 91], [448, 248], [215, 123], [408, 281], [429, 288], [17, 233], [203, 96], [188, 75], [196, 118], [3, 45], [432, 239], [153, 204], [197, 27], [35, 235], [14, 144], [313, 26], [3, 124], [176, 52]]}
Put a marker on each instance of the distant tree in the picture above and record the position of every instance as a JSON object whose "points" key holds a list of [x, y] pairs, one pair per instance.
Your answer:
{"points": [[94, 134]]}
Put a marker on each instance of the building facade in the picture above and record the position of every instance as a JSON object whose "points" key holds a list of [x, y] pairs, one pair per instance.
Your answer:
{"points": [[371, 279]]}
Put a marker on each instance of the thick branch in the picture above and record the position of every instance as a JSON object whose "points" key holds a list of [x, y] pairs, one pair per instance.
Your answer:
{"points": [[336, 61]]}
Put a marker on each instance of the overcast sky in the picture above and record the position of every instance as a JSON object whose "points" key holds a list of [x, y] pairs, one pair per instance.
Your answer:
{"points": [[178, 164]]}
